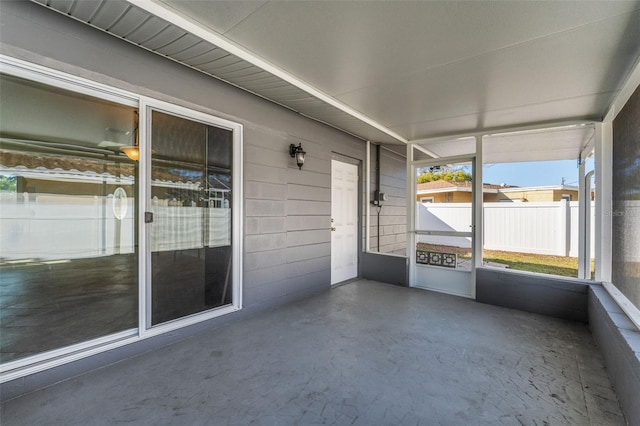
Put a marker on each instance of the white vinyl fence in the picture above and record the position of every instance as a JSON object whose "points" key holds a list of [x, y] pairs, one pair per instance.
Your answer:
{"points": [[542, 228], [55, 227]]}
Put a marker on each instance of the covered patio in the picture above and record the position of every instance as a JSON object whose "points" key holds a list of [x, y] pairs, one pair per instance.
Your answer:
{"points": [[211, 214]]}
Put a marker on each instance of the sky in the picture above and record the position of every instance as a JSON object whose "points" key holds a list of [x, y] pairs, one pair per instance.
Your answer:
{"points": [[541, 173], [537, 173]]}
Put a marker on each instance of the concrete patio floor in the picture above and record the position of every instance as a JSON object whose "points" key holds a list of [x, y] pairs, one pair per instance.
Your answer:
{"points": [[364, 353]]}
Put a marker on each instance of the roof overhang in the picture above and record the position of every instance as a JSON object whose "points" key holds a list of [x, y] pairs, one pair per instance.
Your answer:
{"points": [[158, 29]]}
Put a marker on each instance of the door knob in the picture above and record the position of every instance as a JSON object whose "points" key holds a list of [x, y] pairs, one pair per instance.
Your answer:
{"points": [[333, 229]]}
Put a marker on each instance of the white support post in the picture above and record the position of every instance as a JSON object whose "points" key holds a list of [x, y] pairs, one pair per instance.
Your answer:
{"points": [[604, 189], [582, 214], [411, 214], [144, 238], [586, 259], [584, 233], [478, 219], [478, 213], [367, 199]]}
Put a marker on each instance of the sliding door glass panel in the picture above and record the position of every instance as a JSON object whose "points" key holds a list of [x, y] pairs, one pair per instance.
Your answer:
{"points": [[191, 232], [68, 241]]}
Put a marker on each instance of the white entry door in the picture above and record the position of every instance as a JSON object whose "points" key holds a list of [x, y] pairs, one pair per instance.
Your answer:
{"points": [[344, 221]]}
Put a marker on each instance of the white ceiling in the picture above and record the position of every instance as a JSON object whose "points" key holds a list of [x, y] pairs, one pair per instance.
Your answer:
{"points": [[545, 144], [560, 143], [391, 71]]}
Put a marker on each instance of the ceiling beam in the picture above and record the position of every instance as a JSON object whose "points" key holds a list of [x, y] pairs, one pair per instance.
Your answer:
{"points": [[504, 129], [426, 151]]}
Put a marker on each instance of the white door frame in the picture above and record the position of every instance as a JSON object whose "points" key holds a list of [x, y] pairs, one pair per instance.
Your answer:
{"points": [[147, 105], [437, 272]]}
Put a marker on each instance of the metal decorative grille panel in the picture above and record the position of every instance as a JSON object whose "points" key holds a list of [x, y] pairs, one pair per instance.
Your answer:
{"points": [[436, 258]]}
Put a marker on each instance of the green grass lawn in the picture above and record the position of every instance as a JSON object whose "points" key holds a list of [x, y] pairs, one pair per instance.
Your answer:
{"points": [[545, 264]]}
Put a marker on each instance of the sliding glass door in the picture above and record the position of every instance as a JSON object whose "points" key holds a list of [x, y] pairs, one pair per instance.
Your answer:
{"points": [[120, 218], [191, 201]]}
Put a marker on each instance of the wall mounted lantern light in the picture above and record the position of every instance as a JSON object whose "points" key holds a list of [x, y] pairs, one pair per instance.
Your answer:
{"points": [[298, 153]]}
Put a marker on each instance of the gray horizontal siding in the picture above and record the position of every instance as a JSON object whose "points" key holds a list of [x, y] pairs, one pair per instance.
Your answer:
{"points": [[309, 178], [261, 155], [310, 208], [287, 218], [305, 192], [264, 208], [308, 251], [262, 173], [301, 223], [264, 259], [304, 238], [265, 191], [268, 242], [392, 225], [265, 225], [286, 290], [305, 267], [263, 276]]}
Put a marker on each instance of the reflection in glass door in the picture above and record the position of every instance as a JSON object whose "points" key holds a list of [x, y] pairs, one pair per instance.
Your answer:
{"points": [[444, 220], [191, 199], [68, 237]]}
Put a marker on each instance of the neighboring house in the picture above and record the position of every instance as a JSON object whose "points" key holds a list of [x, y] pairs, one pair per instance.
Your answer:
{"points": [[442, 191], [539, 193]]}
